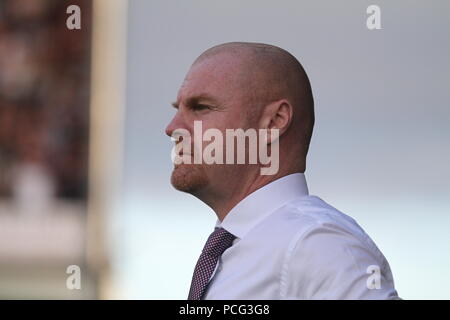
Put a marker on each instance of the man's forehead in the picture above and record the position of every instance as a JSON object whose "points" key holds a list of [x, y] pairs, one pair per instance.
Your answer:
{"points": [[220, 68], [208, 79], [196, 88]]}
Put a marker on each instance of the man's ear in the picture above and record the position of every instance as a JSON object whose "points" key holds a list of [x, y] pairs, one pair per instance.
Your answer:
{"points": [[277, 115]]}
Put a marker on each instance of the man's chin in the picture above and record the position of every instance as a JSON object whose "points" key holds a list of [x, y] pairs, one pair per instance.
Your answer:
{"points": [[188, 178]]}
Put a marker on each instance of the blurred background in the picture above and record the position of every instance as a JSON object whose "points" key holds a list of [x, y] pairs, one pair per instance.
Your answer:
{"points": [[45, 77], [85, 163]]}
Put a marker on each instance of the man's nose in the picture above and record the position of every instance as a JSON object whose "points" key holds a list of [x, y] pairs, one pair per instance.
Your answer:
{"points": [[175, 123]]}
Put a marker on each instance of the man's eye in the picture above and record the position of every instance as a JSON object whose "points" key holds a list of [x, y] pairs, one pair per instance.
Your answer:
{"points": [[199, 107]]}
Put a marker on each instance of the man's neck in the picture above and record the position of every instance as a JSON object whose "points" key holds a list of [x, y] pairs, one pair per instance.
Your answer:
{"points": [[227, 199]]}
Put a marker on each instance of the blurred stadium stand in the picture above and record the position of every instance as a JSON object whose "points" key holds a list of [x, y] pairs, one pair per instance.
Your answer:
{"points": [[44, 135]]}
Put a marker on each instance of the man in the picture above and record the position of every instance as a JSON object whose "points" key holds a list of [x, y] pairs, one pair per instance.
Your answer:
{"points": [[272, 240]]}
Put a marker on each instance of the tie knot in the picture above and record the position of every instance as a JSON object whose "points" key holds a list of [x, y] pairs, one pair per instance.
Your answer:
{"points": [[218, 242]]}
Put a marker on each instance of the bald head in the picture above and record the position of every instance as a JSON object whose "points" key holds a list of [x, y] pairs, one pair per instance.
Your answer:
{"points": [[267, 73]]}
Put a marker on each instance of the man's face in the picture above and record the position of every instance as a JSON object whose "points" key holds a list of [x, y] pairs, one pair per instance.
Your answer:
{"points": [[214, 93]]}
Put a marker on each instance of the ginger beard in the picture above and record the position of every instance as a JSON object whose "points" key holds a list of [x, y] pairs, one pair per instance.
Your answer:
{"points": [[189, 177]]}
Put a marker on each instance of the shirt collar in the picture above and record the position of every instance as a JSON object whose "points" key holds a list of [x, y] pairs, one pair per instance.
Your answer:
{"points": [[259, 204]]}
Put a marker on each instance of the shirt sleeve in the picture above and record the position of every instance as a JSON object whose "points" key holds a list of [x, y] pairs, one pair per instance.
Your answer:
{"points": [[327, 262]]}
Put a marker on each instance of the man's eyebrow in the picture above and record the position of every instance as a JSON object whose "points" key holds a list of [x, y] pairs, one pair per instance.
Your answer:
{"points": [[175, 105], [202, 99]]}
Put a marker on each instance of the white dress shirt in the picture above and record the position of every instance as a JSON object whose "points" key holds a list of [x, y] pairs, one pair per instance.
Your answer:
{"points": [[291, 245]]}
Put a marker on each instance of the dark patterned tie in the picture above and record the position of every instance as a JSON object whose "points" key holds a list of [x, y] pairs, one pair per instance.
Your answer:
{"points": [[217, 243]]}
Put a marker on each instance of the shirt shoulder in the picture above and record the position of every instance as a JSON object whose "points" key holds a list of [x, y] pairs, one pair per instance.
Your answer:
{"points": [[306, 214], [328, 255]]}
